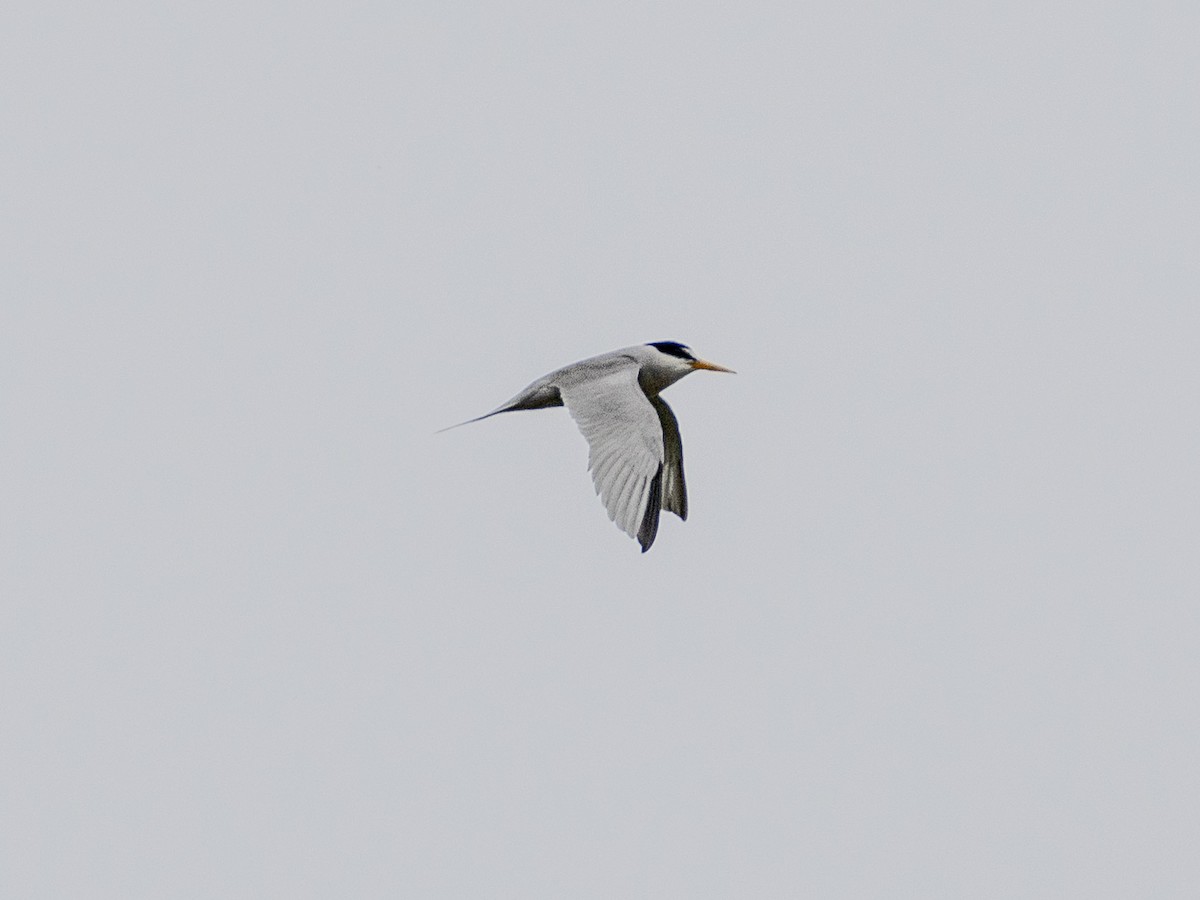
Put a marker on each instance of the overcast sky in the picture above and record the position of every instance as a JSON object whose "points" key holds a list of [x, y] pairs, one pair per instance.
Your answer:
{"points": [[932, 629]]}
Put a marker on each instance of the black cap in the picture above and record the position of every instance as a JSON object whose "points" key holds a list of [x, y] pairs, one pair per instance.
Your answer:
{"points": [[672, 348]]}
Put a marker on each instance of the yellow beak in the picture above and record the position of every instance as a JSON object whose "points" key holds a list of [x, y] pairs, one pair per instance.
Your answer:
{"points": [[712, 367]]}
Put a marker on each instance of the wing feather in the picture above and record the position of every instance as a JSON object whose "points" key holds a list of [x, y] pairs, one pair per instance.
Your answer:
{"points": [[626, 453], [674, 489], [654, 497], [620, 481], [635, 499]]}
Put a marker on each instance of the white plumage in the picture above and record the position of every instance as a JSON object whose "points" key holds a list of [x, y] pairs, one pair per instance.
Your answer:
{"points": [[635, 452]]}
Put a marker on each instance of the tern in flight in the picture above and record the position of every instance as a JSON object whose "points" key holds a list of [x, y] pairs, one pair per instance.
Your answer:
{"points": [[635, 453]]}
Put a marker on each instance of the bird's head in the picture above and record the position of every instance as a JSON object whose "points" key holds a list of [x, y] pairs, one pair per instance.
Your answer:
{"points": [[665, 362]]}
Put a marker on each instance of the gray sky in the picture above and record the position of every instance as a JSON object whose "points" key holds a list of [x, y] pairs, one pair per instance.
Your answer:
{"points": [[932, 629]]}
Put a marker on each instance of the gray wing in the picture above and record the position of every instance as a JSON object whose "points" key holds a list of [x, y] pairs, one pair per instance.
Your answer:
{"points": [[674, 489], [625, 447]]}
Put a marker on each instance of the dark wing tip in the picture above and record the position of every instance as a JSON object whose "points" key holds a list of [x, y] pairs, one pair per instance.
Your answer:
{"points": [[649, 528]]}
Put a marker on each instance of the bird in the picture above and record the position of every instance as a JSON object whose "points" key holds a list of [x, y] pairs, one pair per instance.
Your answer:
{"points": [[635, 452]]}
